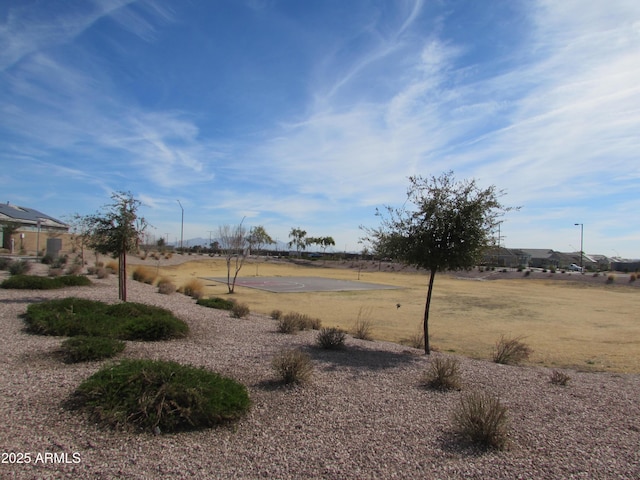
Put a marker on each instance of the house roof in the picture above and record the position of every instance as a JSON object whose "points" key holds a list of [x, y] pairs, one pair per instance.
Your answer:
{"points": [[28, 216]]}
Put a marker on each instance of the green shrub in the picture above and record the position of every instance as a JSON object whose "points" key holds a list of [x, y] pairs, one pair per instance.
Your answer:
{"points": [[240, 310], [158, 396], [331, 338], [443, 374], [84, 349], [35, 282], [19, 267], [559, 378], [482, 419], [292, 366], [511, 351], [47, 259], [216, 302], [126, 321]]}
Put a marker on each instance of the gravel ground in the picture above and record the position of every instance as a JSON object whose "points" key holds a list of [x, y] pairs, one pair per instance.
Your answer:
{"points": [[364, 415]]}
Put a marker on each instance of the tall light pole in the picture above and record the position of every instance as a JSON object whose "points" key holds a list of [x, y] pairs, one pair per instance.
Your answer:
{"points": [[181, 225], [581, 244]]}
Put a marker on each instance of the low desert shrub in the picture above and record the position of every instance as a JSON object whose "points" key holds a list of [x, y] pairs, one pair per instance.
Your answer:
{"points": [[144, 274], [166, 286], [216, 302], [160, 396], [35, 282], [559, 378], [103, 272], [112, 266], [481, 419], [74, 269], [72, 317], [193, 288], [331, 338], [55, 271], [363, 324], [4, 263], [511, 351], [415, 341], [443, 373], [85, 349], [276, 314], [240, 310], [632, 278], [19, 267], [292, 366], [47, 259], [293, 322], [611, 279]]}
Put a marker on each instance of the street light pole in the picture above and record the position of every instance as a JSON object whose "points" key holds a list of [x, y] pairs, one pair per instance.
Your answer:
{"points": [[181, 225], [581, 244]]}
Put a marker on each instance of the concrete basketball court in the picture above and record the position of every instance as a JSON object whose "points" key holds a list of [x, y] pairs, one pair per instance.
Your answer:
{"points": [[302, 284]]}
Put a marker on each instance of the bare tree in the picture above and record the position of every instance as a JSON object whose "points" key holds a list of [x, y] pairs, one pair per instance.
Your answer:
{"points": [[234, 243]]}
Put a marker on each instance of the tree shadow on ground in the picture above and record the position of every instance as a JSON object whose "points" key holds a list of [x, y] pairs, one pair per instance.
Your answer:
{"points": [[353, 356]]}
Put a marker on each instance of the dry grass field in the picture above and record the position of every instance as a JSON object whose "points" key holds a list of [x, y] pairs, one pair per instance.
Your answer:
{"points": [[582, 325]]}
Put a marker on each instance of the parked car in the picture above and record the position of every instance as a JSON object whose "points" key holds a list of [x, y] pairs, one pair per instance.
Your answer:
{"points": [[575, 268]]}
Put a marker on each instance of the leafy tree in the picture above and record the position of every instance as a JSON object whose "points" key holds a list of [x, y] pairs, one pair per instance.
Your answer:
{"points": [[234, 243], [298, 239], [258, 237], [448, 228], [8, 229], [116, 231]]}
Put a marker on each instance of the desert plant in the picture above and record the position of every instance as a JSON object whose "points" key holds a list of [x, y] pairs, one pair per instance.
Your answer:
{"points": [[19, 267], [559, 378], [239, 310], [292, 366], [611, 279], [166, 286], [47, 259], [103, 272], [443, 374], [84, 349], [126, 321], [363, 324], [632, 278], [293, 322], [482, 419], [74, 269], [415, 341], [511, 351], [4, 263], [144, 274], [54, 271], [330, 338], [193, 288], [276, 314], [216, 302], [35, 282], [112, 266], [159, 396]]}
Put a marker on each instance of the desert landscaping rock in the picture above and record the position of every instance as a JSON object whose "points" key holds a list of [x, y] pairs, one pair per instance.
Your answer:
{"points": [[363, 415]]}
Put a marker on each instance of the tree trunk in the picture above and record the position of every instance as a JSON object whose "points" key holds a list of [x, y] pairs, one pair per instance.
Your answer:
{"points": [[427, 350], [122, 276]]}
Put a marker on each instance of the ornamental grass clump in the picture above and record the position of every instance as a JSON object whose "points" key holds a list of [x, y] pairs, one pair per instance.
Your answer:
{"points": [[193, 288], [511, 351], [166, 286], [19, 267], [363, 326], [144, 274], [71, 317], [240, 310], [559, 378], [160, 397], [331, 338], [481, 419], [216, 302], [86, 349], [293, 322], [292, 366], [443, 374]]}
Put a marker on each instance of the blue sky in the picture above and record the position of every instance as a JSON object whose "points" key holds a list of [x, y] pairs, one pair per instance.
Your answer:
{"points": [[313, 113]]}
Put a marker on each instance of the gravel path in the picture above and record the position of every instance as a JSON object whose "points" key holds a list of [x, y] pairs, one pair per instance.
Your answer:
{"points": [[364, 415]]}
